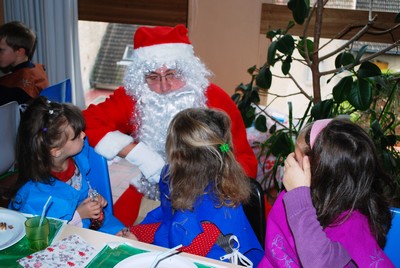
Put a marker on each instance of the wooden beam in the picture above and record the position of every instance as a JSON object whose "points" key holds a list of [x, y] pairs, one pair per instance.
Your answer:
{"points": [[141, 12], [1, 12], [334, 22]]}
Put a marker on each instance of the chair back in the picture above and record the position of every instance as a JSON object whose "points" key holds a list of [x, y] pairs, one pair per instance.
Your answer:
{"points": [[9, 121], [60, 92], [99, 176], [255, 211], [392, 247]]}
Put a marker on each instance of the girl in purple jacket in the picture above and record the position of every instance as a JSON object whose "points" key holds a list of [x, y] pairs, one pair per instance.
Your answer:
{"points": [[334, 212]]}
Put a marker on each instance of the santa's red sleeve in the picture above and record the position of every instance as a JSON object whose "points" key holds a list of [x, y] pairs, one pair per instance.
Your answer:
{"points": [[218, 98], [108, 124]]}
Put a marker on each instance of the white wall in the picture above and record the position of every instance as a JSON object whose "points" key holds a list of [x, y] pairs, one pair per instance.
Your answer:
{"points": [[225, 35]]}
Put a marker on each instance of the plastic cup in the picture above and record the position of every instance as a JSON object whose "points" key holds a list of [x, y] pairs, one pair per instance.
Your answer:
{"points": [[38, 236]]}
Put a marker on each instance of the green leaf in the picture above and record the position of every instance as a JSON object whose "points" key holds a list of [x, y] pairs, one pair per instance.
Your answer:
{"points": [[391, 140], [343, 59], [286, 65], [299, 10], [368, 69], [360, 54], [342, 89], [252, 69], [261, 123], [254, 96], [236, 97], [264, 78], [290, 25], [376, 128], [361, 94], [271, 34], [397, 18], [248, 116], [322, 109], [244, 87], [282, 144], [285, 44], [271, 53], [251, 112], [310, 47], [272, 129]]}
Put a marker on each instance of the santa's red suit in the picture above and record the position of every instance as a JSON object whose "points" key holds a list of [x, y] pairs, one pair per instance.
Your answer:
{"points": [[115, 114], [111, 125]]}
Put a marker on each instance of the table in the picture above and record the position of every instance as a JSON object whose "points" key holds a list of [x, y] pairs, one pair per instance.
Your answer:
{"points": [[98, 240]]}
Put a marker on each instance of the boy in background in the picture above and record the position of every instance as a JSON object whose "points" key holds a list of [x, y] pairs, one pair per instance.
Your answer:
{"points": [[22, 79]]}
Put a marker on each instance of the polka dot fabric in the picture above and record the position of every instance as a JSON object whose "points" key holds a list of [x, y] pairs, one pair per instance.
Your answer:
{"points": [[145, 232], [203, 243]]}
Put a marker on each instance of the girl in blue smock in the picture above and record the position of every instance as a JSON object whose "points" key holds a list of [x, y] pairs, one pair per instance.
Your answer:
{"points": [[202, 190], [52, 161]]}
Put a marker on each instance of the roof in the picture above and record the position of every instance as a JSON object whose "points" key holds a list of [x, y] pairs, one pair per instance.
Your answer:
{"points": [[377, 5], [109, 69]]}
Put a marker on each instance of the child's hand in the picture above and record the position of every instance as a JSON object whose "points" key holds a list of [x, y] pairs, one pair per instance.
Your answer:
{"points": [[294, 176], [89, 209], [127, 234], [102, 201]]}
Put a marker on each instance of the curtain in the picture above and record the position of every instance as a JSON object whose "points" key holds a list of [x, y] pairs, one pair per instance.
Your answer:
{"points": [[56, 26]]}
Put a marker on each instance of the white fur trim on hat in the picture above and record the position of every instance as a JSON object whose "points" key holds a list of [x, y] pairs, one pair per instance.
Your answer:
{"points": [[165, 52], [112, 143]]}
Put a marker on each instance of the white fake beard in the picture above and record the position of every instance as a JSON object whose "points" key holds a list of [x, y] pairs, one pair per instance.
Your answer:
{"points": [[157, 110]]}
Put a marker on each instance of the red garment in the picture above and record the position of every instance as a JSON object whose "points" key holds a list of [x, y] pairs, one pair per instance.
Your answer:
{"points": [[31, 80], [145, 232], [126, 208], [200, 245], [115, 114], [67, 174]]}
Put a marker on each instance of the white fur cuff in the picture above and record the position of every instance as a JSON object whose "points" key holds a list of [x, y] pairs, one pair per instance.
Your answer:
{"points": [[112, 143], [149, 162]]}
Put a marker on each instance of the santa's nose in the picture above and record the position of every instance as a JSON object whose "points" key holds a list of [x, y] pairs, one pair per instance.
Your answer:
{"points": [[164, 85]]}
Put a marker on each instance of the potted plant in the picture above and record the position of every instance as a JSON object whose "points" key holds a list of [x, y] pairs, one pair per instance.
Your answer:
{"points": [[365, 94]]}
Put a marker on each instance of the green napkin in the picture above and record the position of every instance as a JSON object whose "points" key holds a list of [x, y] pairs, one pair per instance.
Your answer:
{"points": [[10, 255], [109, 257]]}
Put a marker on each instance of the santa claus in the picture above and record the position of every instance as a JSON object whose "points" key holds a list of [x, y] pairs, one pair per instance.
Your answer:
{"points": [[164, 78]]}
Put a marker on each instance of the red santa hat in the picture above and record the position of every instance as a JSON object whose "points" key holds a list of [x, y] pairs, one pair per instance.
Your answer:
{"points": [[162, 43]]}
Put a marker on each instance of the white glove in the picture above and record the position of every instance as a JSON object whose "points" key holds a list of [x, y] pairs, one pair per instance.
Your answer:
{"points": [[149, 162]]}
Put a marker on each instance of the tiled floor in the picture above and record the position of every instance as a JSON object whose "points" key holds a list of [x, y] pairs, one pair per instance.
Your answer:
{"points": [[121, 172]]}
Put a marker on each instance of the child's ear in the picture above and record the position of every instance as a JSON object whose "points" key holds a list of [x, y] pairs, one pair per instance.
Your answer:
{"points": [[55, 152], [21, 52]]}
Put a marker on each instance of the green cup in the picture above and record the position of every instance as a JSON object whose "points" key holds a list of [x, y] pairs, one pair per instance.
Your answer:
{"points": [[38, 236]]}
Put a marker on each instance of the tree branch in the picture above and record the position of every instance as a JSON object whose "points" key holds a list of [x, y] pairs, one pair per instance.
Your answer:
{"points": [[374, 55]]}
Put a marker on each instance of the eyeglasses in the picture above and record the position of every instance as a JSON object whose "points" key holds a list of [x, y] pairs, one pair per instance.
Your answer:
{"points": [[170, 77]]}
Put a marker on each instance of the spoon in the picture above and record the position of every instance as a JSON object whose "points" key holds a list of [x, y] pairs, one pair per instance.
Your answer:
{"points": [[164, 255]]}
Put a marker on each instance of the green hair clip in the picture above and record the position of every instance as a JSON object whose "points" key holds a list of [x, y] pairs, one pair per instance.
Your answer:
{"points": [[224, 148]]}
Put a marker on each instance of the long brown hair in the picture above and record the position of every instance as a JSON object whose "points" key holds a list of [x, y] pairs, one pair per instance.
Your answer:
{"points": [[347, 175], [197, 162]]}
